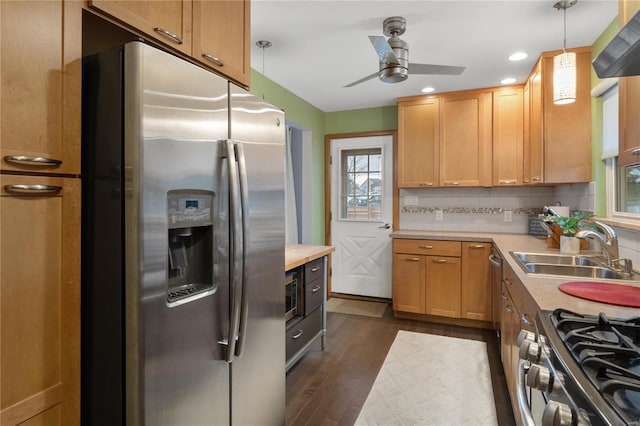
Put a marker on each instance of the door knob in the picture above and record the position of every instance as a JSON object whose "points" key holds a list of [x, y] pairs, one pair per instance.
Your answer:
{"points": [[385, 226]]}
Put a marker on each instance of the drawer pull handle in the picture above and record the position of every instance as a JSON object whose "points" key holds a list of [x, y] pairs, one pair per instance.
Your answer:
{"points": [[426, 247], [452, 183], [508, 308], [427, 184], [213, 59], [315, 269], [297, 335], [439, 260], [477, 246], [635, 151], [507, 182], [526, 180], [168, 34], [412, 259], [504, 296], [507, 282], [536, 179], [33, 189], [32, 161], [525, 320], [315, 289]]}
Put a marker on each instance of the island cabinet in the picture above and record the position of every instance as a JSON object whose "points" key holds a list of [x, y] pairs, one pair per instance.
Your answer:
{"points": [[629, 101], [559, 136], [508, 134], [465, 139], [518, 313], [40, 86], [214, 33], [443, 279], [419, 133]]}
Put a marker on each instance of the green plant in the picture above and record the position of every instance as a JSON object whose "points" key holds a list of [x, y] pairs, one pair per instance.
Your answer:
{"points": [[570, 225]]}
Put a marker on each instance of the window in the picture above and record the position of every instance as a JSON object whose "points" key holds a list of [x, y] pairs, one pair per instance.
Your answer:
{"points": [[361, 184]]}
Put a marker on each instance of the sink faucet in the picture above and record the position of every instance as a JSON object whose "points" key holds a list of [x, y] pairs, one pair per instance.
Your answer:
{"points": [[608, 241]]}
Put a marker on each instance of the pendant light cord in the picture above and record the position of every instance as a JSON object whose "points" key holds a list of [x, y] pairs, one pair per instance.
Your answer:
{"points": [[564, 44]]}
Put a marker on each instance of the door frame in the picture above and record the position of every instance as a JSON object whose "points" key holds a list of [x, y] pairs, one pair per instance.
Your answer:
{"points": [[327, 185]]}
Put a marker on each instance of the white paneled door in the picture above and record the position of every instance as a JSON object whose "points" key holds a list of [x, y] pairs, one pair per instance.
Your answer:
{"points": [[361, 213]]}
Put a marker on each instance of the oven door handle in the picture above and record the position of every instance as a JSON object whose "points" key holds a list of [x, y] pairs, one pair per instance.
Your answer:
{"points": [[525, 410]]}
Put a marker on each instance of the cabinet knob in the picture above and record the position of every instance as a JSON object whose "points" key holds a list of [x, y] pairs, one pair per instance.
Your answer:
{"points": [[168, 34]]}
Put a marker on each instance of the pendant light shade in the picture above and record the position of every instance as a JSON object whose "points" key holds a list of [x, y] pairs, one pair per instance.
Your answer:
{"points": [[564, 65], [564, 78]]}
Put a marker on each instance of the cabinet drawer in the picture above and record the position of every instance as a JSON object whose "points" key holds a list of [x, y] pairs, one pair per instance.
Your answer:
{"points": [[313, 270], [302, 332], [428, 247], [313, 295]]}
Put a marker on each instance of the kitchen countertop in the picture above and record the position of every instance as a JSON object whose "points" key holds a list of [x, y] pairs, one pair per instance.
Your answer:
{"points": [[299, 254], [543, 289]]}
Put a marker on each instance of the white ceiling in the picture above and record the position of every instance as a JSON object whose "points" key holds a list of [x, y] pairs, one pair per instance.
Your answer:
{"points": [[319, 46]]}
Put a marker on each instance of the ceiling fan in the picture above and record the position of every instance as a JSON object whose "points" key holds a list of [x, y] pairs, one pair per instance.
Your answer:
{"points": [[394, 56]]}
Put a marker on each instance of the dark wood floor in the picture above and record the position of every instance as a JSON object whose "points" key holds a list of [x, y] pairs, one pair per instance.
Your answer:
{"points": [[329, 387]]}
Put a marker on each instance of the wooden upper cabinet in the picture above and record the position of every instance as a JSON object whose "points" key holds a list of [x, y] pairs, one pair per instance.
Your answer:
{"points": [[534, 154], [221, 37], [629, 100], [40, 86], [40, 305], [168, 21], [465, 139], [567, 128], [508, 135], [418, 143]]}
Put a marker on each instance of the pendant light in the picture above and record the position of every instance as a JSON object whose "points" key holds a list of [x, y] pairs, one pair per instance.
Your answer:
{"points": [[263, 44], [564, 65]]}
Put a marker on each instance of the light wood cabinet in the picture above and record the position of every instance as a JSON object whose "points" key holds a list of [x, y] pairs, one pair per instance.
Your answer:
{"points": [[559, 138], [450, 279], [629, 100], [443, 286], [419, 136], [221, 37], [508, 133], [214, 33], [167, 21], [476, 296], [409, 273], [465, 139], [40, 305], [40, 83]]}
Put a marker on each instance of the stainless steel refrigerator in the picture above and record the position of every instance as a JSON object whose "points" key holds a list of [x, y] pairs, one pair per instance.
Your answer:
{"points": [[183, 246]]}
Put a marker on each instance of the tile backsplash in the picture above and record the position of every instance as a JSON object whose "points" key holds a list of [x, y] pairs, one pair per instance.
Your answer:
{"points": [[486, 209]]}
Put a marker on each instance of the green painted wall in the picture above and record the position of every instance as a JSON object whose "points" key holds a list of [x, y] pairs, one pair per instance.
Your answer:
{"points": [[597, 165], [305, 115]]}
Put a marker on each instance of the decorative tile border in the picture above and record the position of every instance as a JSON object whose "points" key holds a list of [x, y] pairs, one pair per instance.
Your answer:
{"points": [[471, 210]]}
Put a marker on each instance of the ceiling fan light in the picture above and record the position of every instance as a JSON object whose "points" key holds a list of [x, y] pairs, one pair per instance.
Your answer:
{"points": [[564, 78]]}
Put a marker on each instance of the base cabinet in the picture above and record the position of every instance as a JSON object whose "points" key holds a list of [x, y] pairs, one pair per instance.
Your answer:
{"points": [[447, 279]]}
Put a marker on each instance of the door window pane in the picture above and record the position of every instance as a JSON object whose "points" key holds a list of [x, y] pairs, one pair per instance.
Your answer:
{"points": [[629, 199], [361, 184]]}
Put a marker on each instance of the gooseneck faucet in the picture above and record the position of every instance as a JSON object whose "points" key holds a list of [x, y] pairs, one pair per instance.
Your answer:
{"points": [[608, 240]]}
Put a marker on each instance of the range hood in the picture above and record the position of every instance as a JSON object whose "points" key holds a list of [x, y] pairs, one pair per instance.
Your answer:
{"points": [[621, 57]]}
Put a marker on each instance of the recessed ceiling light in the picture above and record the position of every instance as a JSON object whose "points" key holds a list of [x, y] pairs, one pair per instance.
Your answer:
{"points": [[509, 80], [428, 90], [518, 56]]}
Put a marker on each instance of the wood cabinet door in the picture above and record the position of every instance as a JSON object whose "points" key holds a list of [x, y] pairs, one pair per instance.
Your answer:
{"points": [[465, 139], [409, 274], [418, 143], [567, 128], [443, 286], [629, 110], [476, 282], [508, 134], [221, 37], [40, 81], [506, 321], [534, 156], [40, 305], [168, 21]]}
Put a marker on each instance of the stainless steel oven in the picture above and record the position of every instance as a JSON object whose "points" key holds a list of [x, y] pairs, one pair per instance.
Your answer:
{"points": [[293, 296], [579, 370]]}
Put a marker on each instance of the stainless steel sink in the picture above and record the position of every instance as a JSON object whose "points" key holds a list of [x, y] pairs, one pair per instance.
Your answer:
{"points": [[580, 266], [558, 259]]}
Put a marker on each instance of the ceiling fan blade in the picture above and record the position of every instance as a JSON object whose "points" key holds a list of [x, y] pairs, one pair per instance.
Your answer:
{"points": [[362, 80], [385, 53], [435, 69]]}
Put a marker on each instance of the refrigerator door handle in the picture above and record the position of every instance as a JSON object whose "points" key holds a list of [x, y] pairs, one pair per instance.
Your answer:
{"points": [[244, 199], [236, 254]]}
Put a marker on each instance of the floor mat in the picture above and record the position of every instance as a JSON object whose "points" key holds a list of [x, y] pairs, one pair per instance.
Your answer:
{"points": [[431, 380], [356, 307]]}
